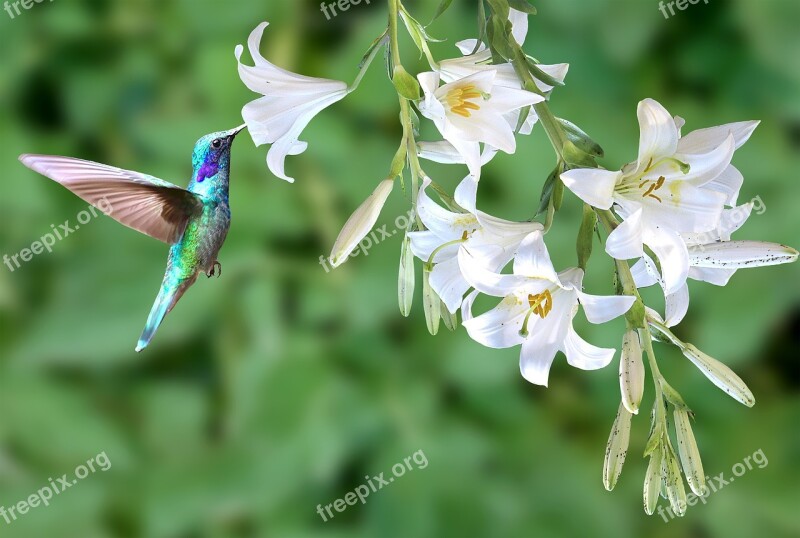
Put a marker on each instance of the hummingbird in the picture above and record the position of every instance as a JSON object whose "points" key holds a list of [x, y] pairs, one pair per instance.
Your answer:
{"points": [[193, 221]]}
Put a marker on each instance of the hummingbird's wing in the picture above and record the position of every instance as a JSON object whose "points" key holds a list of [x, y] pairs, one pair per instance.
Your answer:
{"points": [[145, 203]]}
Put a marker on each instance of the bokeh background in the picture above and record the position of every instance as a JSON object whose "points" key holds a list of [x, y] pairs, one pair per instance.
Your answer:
{"points": [[280, 386]]}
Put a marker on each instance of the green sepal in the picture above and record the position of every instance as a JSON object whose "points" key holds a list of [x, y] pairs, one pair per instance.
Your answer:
{"points": [[406, 85], [582, 141]]}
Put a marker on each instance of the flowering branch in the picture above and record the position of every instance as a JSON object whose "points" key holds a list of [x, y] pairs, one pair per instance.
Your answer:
{"points": [[673, 210]]}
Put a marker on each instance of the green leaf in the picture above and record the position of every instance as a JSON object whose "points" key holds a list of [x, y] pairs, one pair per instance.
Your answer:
{"points": [[399, 161], [406, 85], [581, 140], [444, 5], [576, 157], [523, 6], [547, 191], [673, 397]]}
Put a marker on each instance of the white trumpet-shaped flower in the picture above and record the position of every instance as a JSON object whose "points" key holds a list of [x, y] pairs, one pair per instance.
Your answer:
{"points": [[677, 185], [476, 57], [290, 101], [492, 242], [713, 258], [471, 110], [537, 311]]}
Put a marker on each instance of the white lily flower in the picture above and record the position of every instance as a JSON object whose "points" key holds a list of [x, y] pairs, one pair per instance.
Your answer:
{"points": [[477, 57], [493, 242], [713, 258], [662, 194], [472, 110], [537, 311], [290, 101]]}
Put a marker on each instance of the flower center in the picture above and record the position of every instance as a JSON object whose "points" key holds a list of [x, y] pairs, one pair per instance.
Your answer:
{"points": [[541, 304], [459, 100], [651, 187], [464, 238]]}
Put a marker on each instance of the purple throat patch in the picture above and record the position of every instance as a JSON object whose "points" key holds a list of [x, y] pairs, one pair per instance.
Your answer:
{"points": [[209, 169]]}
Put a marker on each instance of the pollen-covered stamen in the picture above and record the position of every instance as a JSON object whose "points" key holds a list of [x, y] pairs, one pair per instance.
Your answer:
{"points": [[654, 186], [459, 100], [541, 304]]}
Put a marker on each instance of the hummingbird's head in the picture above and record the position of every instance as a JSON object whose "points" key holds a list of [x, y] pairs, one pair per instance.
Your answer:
{"points": [[212, 154]]}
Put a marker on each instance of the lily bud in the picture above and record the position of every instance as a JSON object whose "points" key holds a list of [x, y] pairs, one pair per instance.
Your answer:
{"points": [[689, 453], [719, 374], [360, 223], [652, 482], [432, 304], [676, 493], [631, 372], [405, 280], [617, 448]]}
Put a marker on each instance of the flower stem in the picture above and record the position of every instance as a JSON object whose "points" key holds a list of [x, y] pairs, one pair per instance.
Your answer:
{"points": [[406, 116], [555, 133]]}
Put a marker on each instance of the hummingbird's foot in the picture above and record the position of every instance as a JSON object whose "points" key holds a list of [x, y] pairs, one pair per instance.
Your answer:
{"points": [[216, 269]]}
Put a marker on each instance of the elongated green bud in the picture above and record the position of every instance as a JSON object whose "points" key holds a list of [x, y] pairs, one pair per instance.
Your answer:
{"points": [[676, 493], [406, 278], [652, 482], [719, 374], [360, 223], [689, 453], [617, 448], [631, 372], [431, 303]]}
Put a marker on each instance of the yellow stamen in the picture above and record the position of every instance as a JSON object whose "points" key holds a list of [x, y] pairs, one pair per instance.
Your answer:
{"points": [[654, 186], [459, 100], [541, 303]]}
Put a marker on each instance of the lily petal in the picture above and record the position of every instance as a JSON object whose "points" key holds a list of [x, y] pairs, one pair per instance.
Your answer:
{"points": [[704, 140], [603, 308], [533, 259], [677, 305], [581, 354], [643, 275], [706, 167], [488, 282], [536, 358], [593, 186], [625, 242], [673, 256], [658, 136], [729, 183], [447, 225], [500, 327], [424, 244], [715, 276], [449, 285]]}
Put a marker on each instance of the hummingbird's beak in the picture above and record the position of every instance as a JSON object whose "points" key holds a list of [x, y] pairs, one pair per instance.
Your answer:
{"points": [[237, 130]]}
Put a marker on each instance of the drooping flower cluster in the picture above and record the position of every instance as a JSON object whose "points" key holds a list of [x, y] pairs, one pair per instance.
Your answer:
{"points": [[672, 210]]}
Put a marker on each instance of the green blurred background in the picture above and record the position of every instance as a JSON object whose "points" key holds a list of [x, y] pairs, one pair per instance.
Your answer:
{"points": [[280, 386]]}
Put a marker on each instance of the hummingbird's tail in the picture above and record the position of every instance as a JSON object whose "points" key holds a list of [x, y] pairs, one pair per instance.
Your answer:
{"points": [[171, 291]]}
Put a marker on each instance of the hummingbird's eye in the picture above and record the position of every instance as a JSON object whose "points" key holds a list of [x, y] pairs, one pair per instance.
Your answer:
{"points": [[216, 143]]}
